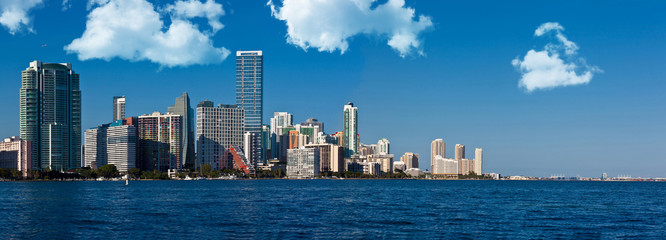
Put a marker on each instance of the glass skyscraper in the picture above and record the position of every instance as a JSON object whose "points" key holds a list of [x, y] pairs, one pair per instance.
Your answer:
{"points": [[250, 97], [182, 107], [50, 115], [350, 130]]}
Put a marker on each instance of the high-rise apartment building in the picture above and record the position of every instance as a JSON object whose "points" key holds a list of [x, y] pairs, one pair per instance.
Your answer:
{"points": [[183, 108], [50, 115], [281, 119], [118, 108], [15, 154], [411, 160], [385, 160], [160, 139], [218, 128], [350, 130], [331, 157], [459, 155], [313, 122], [437, 148], [303, 162], [383, 146], [444, 166], [95, 151], [478, 161], [249, 96], [121, 146]]}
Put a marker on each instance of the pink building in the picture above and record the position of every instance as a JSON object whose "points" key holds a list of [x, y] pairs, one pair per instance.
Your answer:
{"points": [[15, 154]]}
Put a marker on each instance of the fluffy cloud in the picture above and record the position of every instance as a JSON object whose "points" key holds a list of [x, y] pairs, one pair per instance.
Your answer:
{"points": [[14, 14], [557, 65], [133, 30], [327, 25]]}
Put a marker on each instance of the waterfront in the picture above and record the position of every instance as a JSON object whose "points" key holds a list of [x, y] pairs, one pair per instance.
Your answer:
{"points": [[332, 209]]}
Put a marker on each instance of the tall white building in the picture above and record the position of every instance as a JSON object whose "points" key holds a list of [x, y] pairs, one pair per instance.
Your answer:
{"points": [[118, 108], [444, 165], [95, 147], [478, 161], [350, 130], [303, 162], [437, 148], [281, 119], [459, 155], [217, 129], [121, 146], [383, 146]]}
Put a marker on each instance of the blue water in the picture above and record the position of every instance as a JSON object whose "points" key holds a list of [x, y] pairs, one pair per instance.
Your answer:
{"points": [[356, 209]]}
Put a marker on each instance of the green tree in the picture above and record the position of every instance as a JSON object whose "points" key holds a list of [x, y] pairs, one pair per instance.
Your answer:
{"points": [[134, 172], [108, 171], [16, 174], [206, 170]]}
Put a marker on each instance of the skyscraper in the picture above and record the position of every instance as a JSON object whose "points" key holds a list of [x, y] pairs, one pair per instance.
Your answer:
{"points": [[281, 119], [350, 129], [411, 160], [478, 161], [182, 107], [218, 128], [460, 155], [249, 96], [437, 147], [160, 141], [303, 162], [312, 122], [118, 108], [51, 115], [383, 146]]}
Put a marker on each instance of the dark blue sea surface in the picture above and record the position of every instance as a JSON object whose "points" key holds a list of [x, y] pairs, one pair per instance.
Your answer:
{"points": [[351, 209]]}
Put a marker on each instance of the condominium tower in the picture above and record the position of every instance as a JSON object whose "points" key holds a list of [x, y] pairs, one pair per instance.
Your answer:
{"points": [[118, 108], [411, 160], [478, 161], [437, 148], [218, 128], [50, 115], [160, 141], [383, 146], [350, 130], [249, 96], [182, 107]]}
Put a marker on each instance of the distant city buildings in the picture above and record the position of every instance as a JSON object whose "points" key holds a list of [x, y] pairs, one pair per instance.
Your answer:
{"points": [[303, 162], [331, 157], [249, 96], [437, 148], [350, 130], [444, 166], [15, 153], [118, 108], [383, 146], [385, 161], [411, 160], [114, 143], [218, 128]]}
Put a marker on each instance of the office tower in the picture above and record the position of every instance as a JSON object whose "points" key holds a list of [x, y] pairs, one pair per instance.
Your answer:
{"points": [[281, 119], [303, 162], [95, 151], [50, 115], [350, 130], [437, 148], [160, 139], [312, 122], [444, 166], [218, 128], [331, 157], [118, 108], [383, 146], [385, 160], [459, 155], [249, 95], [411, 160], [121, 144], [182, 107], [15, 153], [478, 161]]}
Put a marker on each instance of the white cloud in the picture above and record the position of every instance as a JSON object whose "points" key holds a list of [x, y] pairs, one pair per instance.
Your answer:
{"points": [[14, 14], [328, 25], [66, 5], [133, 30], [557, 65]]}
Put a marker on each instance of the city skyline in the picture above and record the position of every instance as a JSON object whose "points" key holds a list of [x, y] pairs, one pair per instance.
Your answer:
{"points": [[574, 130]]}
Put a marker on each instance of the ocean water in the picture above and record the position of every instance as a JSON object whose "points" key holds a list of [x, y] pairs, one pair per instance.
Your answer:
{"points": [[326, 209]]}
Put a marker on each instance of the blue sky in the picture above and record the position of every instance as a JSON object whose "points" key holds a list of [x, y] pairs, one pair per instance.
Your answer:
{"points": [[452, 79]]}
